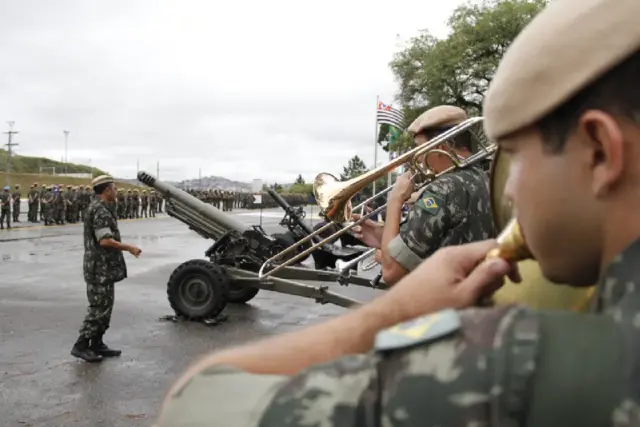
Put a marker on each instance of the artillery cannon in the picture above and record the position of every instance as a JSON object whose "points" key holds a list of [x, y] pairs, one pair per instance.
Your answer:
{"points": [[200, 289]]}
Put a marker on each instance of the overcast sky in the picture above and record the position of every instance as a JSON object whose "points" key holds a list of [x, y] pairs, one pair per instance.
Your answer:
{"points": [[246, 89]]}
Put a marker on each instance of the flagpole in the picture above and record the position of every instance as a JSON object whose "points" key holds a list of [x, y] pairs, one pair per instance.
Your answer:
{"points": [[375, 142]]}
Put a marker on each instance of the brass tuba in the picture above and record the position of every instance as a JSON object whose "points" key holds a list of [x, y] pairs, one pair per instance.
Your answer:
{"points": [[535, 290]]}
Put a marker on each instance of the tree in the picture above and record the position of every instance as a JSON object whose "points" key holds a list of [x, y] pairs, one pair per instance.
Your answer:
{"points": [[299, 180], [277, 187], [457, 70], [354, 167]]}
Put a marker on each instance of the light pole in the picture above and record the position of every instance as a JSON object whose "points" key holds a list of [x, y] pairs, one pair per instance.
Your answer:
{"points": [[66, 140]]}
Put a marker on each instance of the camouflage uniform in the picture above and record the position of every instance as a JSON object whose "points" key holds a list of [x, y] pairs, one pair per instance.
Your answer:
{"points": [[5, 207], [452, 210], [102, 268], [144, 204], [153, 204], [48, 209], [454, 368], [34, 202], [15, 197]]}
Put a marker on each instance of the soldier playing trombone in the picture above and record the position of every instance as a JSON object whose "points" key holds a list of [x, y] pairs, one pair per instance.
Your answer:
{"points": [[451, 210]]}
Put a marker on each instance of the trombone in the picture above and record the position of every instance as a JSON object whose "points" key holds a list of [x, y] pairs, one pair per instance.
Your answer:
{"points": [[334, 197]]}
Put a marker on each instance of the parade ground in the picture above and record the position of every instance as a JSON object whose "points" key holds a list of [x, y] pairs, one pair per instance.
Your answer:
{"points": [[43, 302]]}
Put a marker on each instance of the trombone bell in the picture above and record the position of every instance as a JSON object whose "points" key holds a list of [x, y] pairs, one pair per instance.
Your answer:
{"points": [[326, 188]]}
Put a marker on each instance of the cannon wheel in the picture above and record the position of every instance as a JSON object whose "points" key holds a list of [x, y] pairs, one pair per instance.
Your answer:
{"points": [[239, 294], [198, 290]]}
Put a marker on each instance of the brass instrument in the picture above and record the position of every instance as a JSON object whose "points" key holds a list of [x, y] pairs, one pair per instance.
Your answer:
{"points": [[334, 197], [535, 290]]}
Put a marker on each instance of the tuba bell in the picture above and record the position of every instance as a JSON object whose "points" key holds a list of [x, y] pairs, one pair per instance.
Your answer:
{"points": [[535, 290]]}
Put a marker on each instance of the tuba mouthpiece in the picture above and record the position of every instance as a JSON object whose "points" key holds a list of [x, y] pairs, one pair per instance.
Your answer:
{"points": [[511, 244]]}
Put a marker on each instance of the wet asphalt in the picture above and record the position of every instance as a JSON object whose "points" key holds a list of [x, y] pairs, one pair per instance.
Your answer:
{"points": [[43, 302]]}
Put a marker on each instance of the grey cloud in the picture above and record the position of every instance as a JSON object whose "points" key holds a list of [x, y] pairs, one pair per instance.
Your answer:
{"points": [[244, 91]]}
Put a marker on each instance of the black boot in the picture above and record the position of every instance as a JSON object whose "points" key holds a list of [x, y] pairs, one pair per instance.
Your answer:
{"points": [[102, 349], [81, 350]]}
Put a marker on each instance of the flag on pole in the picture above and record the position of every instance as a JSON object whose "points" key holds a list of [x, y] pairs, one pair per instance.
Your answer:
{"points": [[386, 114]]}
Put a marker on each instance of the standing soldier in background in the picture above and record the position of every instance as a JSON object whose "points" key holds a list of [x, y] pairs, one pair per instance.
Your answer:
{"points": [[58, 204], [122, 204], [144, 203], [153, 204], [42, 190], [5, 207], [67, 205], [15, 198], [47, 209], [103, 267], [129, 201], [136, 204], [160, 199], [79, 202], [34, 202]]}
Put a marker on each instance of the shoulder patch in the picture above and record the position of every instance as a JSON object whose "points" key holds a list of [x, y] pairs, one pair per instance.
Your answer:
{"points": [[418, 331], [430, 203]]}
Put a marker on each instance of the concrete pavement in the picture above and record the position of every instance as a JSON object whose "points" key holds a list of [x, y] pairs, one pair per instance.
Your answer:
{"points": [[43, 302]]}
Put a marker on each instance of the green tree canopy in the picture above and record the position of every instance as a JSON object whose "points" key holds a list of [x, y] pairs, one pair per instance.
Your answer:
{"points": [[458, 69]]}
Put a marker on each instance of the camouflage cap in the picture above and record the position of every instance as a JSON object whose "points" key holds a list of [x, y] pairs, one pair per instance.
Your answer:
{"points": [[440, 116], [69, 186], [102, 179], [88, 187], [567, 46], [17, 185]]}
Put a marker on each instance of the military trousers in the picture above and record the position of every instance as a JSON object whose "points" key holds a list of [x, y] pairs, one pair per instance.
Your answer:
{"points": [[98, 318], [5, 214]]}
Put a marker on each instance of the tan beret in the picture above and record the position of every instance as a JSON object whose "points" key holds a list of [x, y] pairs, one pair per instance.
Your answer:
{"points": [[102, 179], [443, 115], [566, 47]]}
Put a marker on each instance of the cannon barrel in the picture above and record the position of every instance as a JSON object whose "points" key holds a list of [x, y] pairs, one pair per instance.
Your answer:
{"points": [[187, 202], [287, 208]]}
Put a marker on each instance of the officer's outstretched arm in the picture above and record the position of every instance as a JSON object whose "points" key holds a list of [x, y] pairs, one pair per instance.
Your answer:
{"points": [[505, 366]]}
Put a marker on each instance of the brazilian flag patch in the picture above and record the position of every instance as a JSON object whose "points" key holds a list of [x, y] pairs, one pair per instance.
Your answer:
{"points": [[430, 202]]}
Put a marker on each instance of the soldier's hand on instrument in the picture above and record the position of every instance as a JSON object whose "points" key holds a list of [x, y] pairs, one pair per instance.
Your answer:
{"points": [[403, 187], [369, 231], [453, 277]]}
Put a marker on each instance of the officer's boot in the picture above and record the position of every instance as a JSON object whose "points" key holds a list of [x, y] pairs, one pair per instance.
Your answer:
{"points": [[102, 349], [81, 350]]}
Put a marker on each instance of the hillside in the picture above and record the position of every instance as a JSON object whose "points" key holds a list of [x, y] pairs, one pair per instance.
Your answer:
{"points": [[214, 182], [26, 171], [36, 165]]}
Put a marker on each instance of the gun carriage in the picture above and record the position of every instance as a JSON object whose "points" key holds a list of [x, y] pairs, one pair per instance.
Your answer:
{"points": [[245, 259]]}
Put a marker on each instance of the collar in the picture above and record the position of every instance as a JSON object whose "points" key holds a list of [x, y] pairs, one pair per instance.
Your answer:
{"points": [[621, 279]]}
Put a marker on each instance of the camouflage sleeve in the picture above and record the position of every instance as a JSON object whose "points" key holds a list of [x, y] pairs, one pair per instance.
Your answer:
{"points": [[431, 215], [450, 369], [103, 224], [446, 369]]}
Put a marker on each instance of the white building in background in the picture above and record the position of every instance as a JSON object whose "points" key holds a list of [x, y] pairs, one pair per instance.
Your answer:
{"points": [[256, 185]]}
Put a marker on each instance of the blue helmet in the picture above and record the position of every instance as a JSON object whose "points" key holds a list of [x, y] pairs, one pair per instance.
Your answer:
{"points": [[6, 187]]}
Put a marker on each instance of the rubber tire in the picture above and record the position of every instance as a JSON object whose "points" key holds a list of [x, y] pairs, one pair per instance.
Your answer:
{"points": [[241, 294], [216, 281]]}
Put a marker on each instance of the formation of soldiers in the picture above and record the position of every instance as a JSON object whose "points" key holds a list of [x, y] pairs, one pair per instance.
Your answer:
{"points": [[229, 200], [134, 204], [60, 204], [55, 204]]}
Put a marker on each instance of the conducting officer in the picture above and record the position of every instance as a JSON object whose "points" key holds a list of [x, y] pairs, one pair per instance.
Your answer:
{"points": [[565, 105], [451, 210], [103, 266]]}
